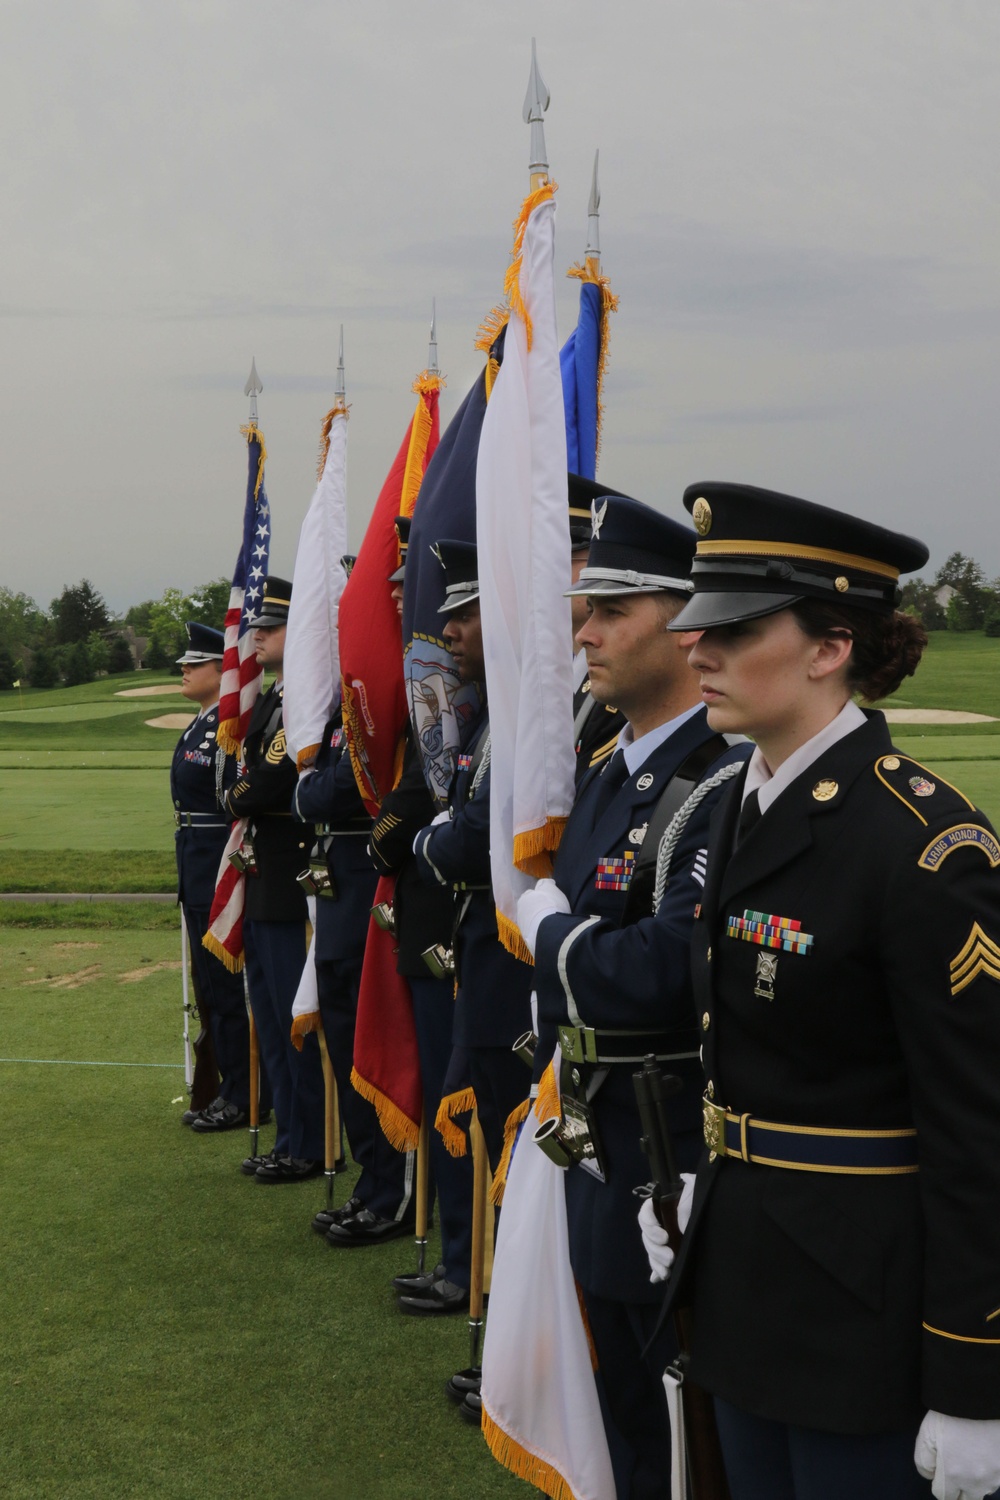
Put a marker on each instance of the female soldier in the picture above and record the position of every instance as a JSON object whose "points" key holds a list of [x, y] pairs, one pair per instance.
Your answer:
{"points": [[843, 1253]]}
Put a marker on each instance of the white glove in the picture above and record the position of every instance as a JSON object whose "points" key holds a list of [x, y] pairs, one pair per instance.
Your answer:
{"points": [[543, 900], [960, 1454], [654, 1236]]}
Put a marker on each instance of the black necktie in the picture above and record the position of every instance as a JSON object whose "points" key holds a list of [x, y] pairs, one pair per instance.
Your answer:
{"points": [[611, 779], [750, 815]]}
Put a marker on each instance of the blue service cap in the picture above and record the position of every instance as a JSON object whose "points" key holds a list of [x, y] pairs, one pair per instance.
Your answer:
{"points": [[634, 549], [204, 644]]}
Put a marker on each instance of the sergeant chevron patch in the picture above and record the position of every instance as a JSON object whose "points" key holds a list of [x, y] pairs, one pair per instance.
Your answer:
{"points": [[962, 836], [276, 749], [979, 954]]}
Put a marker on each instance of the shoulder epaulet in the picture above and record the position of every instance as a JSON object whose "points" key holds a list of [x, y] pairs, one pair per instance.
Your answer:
{"points": [[603, 752], [922, 792]]}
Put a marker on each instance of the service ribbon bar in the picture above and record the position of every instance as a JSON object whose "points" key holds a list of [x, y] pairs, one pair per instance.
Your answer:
{"points": [[768, 930], [614, 874]]}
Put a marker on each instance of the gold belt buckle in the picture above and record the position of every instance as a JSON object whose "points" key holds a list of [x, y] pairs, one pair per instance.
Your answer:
{"points": [[714, 1119]]}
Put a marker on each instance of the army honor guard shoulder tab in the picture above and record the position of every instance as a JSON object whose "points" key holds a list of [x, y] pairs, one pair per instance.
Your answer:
{"points": [[962, 836]]}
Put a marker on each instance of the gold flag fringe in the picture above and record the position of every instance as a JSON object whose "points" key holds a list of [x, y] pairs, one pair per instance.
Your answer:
{"points": [[454, 1137], [400, 1131], [524, 1465], [512, 280], [420, 432], [251, 431], [511, 938], [227, 740], [534, 848], [338, 409], [302, 1026], [594, 1365], [609, 304], [232, 961], [515, 1120], [490, 328], [548, 1103], [306, 756], [352, 719]]}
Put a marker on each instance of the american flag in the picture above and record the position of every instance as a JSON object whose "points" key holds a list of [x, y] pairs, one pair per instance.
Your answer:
{"points": [[241, 680], [241, 676]]}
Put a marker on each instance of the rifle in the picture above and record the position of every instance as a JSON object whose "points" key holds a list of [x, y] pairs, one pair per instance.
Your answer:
{"points": [[201, 1072], [705, 1470]]}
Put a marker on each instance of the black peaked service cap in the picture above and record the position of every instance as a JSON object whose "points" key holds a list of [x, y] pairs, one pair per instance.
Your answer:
{"points": [[759, 551], [461, 574], [402, 525], [274, 604]]}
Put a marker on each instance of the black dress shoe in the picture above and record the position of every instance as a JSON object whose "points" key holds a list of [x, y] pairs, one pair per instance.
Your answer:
{"points": [[418, 1281], [190, 1115], [327, 1216], [227, 1117], [287, 1169], [467, 1382], [366, 1228], [440, 1297], [471, 1410], [250, 1164]]}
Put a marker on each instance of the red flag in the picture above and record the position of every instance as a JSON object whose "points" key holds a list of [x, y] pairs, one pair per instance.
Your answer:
{"points": [[224, 937], [371, 661], [386, 1064]]}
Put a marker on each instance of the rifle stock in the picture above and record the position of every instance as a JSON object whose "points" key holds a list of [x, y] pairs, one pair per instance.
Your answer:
{"points": [[706, 1471]]}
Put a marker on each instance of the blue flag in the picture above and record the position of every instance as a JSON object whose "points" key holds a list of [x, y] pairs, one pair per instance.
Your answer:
{"points": [[580, 363]]}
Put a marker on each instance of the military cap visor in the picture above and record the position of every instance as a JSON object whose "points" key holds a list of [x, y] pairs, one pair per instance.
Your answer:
{"points": [[760, 551], [461, 571]]}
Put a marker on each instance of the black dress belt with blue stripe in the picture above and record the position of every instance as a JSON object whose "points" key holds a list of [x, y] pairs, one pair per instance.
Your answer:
{"points": [[806, 1148], [199, 820]]}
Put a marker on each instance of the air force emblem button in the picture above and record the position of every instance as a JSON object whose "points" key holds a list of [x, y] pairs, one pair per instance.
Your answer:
{"points": [[645, 781]]}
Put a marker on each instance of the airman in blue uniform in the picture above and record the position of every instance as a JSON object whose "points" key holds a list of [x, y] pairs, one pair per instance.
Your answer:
{"points": [[200, 775]]}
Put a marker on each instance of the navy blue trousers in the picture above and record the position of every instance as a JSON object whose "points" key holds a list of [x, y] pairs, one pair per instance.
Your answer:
{"points": [[226, 1008], [387, 1176], [275, 956], [774, 1461], [450, 1176], [633, 1402], [500, 1082]]}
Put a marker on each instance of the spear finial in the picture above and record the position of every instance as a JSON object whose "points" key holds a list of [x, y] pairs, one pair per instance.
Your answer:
{"points": [[340, 391], [432, 348], [594, 222], [536, 102], [253, 389]]}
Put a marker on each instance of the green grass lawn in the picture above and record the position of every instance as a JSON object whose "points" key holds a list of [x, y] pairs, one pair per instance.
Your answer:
{"points": [[89, 809], [170, 1328], [957, 671]]}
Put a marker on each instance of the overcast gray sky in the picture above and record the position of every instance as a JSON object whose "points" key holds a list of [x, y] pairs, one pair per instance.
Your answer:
{"points": [[801, 214]]}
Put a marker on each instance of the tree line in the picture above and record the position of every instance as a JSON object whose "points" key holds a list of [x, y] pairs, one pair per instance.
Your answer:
{"points": [[79, 638]]}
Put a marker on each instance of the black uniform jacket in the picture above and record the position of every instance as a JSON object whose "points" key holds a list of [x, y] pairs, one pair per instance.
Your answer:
{"points": [[194, 784], [329, 796], [598, 730], [590, 969], [263, 794], [425, 914], [493, 1004], [853, 1302]]}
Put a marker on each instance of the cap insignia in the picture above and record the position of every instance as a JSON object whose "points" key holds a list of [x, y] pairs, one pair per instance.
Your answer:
{"points": [[841, 584], [597, 518], [701, 515]]}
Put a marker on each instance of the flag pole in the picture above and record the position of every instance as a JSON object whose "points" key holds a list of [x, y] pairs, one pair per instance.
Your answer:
{"points": [[253, 389], [536, 102], [593, 253], [186, 1001]]}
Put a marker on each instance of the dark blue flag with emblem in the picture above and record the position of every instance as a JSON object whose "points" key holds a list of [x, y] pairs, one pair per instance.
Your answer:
{"points": [[441, 708], [584, 355]]}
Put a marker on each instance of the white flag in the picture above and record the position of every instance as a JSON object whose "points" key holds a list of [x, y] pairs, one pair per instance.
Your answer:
{"points": [[522, 528], [541, 1414], [312, 645], [305, 1006]]}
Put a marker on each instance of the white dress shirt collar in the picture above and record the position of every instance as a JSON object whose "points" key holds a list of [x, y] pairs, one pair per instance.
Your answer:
{"points": [[768, 787]]}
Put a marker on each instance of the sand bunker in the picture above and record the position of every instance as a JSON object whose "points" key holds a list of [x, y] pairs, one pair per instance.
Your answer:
{"points": [[151, 692], [170, 721], [935, 716]]}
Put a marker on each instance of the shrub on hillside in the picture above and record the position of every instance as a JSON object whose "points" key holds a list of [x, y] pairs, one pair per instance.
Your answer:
{"points": [[119, 656], [77, 665], [44, 668]]}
